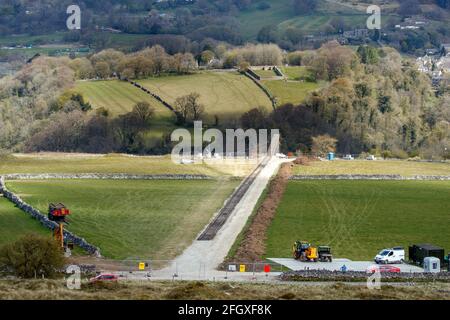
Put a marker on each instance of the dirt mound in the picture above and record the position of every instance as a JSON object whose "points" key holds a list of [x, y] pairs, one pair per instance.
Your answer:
{"points": [[253, 247], [304, 160]]}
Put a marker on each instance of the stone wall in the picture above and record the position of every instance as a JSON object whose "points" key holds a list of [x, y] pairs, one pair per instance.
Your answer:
{"points": [[262, 87], [36, 214], [102, 176], [358, 276], [137, 85], [367, 177]]}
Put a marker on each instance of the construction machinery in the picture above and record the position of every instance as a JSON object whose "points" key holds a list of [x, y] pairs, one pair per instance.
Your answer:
{"points": [[58, 213], [304, 251]]}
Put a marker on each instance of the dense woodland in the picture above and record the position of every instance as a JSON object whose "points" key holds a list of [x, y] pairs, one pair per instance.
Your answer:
{"points": [[374, 100]]}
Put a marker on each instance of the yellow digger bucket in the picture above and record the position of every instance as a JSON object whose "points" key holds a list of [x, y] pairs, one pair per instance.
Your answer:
{"points": [[312, 254]]}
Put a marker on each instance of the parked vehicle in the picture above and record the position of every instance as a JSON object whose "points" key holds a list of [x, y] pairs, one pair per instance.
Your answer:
{"points": [[392, 255], [371, 158], [418, 252], [105, 277], [383, 269], [348, 157], [304, 251]]}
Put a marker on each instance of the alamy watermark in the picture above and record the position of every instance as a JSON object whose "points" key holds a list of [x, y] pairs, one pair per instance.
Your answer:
{"points": [[374, 280], [374, 21], [73, 281], [73, 22], [250, 144]]}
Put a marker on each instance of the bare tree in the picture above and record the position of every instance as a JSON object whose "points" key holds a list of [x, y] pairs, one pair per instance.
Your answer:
{"points": [[143, 112], [189, 107]]}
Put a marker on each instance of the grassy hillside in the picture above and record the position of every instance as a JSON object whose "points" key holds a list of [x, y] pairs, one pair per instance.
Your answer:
{"points": [[119, 97], [115, 163], [147, 219], [359, 218], [265, 73], [14, 223], [295, 72], [282, 15], [404, 168], [225, 94], [293, 92]]}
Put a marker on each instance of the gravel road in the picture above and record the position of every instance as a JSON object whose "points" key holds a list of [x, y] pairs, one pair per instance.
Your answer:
{"points": [[202, 257]]}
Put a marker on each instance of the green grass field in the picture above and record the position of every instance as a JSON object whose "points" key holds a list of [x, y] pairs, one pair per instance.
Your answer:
{"points": [[116, 163], [358, 218], [119, 97], [295, 72], [24, 39], [14, 223], [265, 73], [290, 92], [146, 219], [403, 168], [225, 94], [281, 15]]}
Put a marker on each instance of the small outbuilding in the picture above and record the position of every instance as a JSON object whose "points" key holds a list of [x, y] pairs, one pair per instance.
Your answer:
{"points": [[432, 265], [330, 156]]}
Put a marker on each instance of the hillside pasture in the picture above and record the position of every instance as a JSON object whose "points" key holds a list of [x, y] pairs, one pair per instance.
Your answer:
{"points": [[294, 92], [119, 97], [146, 219], [389, 167], [282, 15], [72, 163], [14, 223], [296, 73], [224, 94]]}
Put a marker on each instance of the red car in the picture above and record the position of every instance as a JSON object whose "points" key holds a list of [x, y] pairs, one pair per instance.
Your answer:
{"points": [[104, 277], [383, 269]]}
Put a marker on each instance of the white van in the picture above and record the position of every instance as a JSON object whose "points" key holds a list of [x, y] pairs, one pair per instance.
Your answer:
{"points": [[348, 157], [392, 255]]}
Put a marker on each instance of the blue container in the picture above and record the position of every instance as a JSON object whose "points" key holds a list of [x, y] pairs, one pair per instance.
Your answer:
{"points": [[331, 156]]}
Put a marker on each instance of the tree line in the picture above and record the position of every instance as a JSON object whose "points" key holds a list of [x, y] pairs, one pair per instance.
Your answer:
{"points": [[375, 101], [372, 99]]}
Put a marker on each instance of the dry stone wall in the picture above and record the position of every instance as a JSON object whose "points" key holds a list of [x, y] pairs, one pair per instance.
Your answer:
{"points": [[106, 176], [367, 177]]}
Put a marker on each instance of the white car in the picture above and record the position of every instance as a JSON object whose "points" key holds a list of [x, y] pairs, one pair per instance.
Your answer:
{"points": [[281, 156], [348, 157], [392, 255], [371, 158]]}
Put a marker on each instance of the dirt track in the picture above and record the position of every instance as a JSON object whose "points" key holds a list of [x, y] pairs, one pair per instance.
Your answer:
{"points": [[253, 247], [203, 257]]}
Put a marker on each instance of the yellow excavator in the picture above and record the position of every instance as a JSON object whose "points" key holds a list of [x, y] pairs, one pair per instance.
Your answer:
{"points": [[304, 251]]}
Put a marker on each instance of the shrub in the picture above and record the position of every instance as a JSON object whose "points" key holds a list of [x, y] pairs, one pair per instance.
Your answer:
{"points": [[386, 154], [32, 256], [400, 154]]}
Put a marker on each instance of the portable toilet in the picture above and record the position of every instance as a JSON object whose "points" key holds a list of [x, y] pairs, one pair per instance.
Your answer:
{"points": [[330, 156], [432, 264]]}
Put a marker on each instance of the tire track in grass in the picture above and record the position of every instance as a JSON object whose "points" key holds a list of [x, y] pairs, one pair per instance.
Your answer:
{"points": [[347, 219]]}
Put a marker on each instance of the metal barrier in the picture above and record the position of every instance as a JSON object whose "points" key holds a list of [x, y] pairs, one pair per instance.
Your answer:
{"points": [[136, 269]]}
